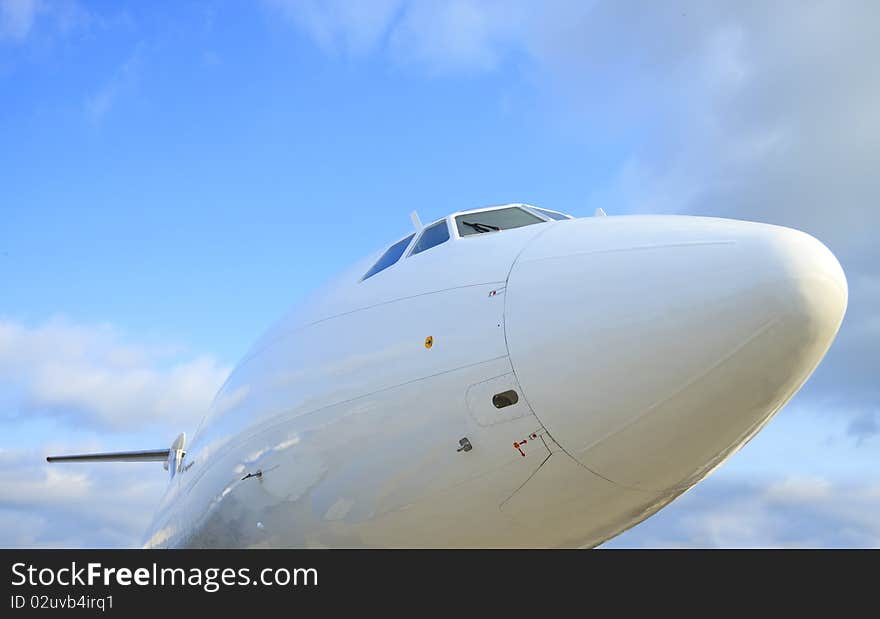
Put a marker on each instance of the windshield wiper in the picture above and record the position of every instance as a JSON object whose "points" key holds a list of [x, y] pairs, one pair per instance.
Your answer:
{"points": [[481, 227]]}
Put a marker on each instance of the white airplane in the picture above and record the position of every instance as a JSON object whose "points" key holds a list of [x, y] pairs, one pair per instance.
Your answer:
{"points": [[505, 377]]}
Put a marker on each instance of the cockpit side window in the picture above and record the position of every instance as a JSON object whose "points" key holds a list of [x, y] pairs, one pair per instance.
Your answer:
{"points": [[494, 220], [433, 235], [551, 214], [391, 255]]}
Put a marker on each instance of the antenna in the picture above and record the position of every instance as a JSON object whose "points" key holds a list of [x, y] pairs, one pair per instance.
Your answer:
{"points": [[600, 212], [171, 457], [414, 216]]}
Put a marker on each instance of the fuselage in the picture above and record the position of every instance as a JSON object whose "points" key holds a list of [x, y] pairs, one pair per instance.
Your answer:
{"points": [[549, 385]]}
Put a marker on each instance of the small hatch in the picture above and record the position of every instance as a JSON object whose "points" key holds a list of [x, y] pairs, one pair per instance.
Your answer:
{"points": [[505, 398]]}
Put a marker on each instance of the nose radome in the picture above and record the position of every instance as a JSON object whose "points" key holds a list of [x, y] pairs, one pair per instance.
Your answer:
{"points": [[653, 347]]}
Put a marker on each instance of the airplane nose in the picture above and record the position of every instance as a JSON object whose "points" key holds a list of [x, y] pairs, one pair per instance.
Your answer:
{"points": [[653, 347]]}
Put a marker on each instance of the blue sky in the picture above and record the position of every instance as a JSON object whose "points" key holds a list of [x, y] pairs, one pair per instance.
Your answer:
{"points": [[174, 175]]}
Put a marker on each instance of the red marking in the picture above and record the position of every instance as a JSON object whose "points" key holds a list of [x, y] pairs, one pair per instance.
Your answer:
{"points": [[518, 444], [493, 293]]}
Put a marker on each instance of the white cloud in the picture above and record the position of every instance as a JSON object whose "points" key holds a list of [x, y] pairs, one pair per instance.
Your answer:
{"points": [[798, 490], [467, 35], [17, 18], [792, 512], [753, 110], [20, 20], [340, 25], [99, 104], [441, 35], [790, 136], [72, 388], [90, 373], [75, 505]]}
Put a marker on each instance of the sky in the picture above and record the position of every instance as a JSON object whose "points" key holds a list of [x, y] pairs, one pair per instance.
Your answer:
{"points": [[174, 175]]}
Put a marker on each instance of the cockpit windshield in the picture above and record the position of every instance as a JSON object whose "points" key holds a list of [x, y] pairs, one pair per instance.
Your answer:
{"points": [[494, 219], [391, 255]]}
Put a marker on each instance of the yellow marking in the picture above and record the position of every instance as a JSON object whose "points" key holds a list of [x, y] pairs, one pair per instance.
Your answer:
{"points": [[429, 341]]}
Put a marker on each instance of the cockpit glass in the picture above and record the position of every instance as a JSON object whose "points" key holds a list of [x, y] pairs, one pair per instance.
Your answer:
{"points": [[433, 235], [494, 220], [551, 214], [391, 255]]}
